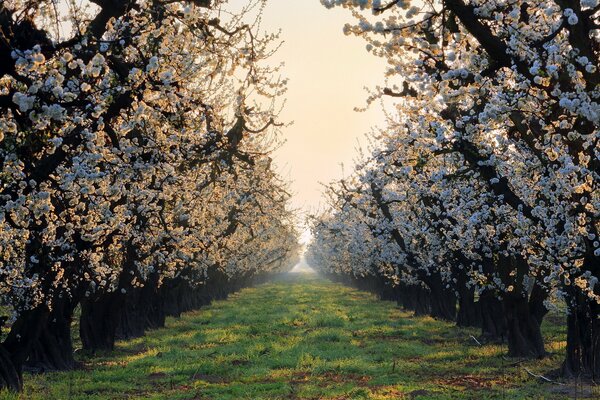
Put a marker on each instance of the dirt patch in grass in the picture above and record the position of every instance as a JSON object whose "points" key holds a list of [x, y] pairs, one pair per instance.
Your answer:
{"points": [[390, 392], [330, 378], [209, 378], [239, 362], [300, 377], [157, 376], [418, 393], [469, 382], [375, 335]]}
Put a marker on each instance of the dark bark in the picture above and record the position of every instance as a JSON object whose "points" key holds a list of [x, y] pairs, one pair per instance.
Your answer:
{"points": [[10, 373], [143, 310], [493, 321], [582, 358], [101, 314], [53, 350], [404, 297], [469, 311], [174, 298], [217, 284], [386, 291], [180, 296], [443, 299], [400, 295], [17, 346], [416, 298], [99, 320], [524, 329], [524, 309]]}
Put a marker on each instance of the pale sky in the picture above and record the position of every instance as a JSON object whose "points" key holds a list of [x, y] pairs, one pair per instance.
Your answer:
{"points": [[328, 72]]}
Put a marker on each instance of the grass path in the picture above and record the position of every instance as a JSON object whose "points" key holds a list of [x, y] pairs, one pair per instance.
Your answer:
{"points": [[300, 338]]}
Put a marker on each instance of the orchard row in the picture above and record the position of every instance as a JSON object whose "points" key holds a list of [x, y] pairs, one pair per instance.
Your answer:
{"points": [[136, 180], [479, 201]]}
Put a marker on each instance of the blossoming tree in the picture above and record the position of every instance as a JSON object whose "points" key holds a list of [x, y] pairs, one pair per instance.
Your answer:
{"points": [[134, 151], [512, 89]]}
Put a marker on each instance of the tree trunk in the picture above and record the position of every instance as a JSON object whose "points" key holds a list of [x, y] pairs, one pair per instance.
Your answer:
{"points": [[400, 295], [406, 295], [99, 320], [469, 311], [386, 291], [217, 284], [524, 329], [153, 305], [10, 373], [422, 300], [443, 300], [523, 307], [415, 298], [17, 346], [583, 338], [174, 293], [143, 310], [133, 318], [202, 297], [493, 320], [53, 350]]}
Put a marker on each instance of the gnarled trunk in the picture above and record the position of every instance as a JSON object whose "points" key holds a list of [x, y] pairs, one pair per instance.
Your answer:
{"points": [[174, 293], [523, 307], [10, 373], [386, 291], [17, 346], [53, 350], [414, 298], [144, 309], [524, 330], [469, 311], [217, 284], [493, 320]]}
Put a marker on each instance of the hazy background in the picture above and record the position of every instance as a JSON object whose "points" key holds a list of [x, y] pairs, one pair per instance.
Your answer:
{"points": [[328, 72]]}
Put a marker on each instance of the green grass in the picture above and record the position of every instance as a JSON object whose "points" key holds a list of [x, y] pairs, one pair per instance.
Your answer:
{"points": [[303, 338]]}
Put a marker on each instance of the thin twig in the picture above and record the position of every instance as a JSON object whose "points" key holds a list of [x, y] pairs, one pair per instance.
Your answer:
{"points": [[476, 341], [542, 377]]}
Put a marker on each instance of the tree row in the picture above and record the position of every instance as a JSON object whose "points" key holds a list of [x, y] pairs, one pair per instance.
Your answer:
{"points": [[136, 179], [479, 201]]}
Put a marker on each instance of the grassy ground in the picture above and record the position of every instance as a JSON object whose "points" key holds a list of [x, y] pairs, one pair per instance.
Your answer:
{"points": [[305, 338]]}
